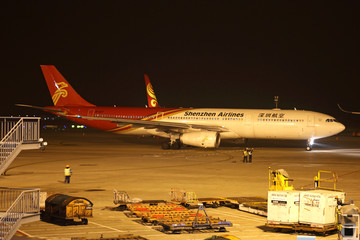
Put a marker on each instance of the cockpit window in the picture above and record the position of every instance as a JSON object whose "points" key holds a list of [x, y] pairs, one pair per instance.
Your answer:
{"points": [[331, 120]]}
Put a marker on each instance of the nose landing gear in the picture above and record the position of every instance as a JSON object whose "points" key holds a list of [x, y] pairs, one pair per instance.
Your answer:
{"points": [[309, 144]]}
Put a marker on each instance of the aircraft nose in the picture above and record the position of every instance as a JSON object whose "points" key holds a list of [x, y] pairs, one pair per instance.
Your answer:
{"points": [[340, 127]]}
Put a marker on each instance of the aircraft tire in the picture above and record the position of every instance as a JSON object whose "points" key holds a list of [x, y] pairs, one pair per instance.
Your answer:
{"points": [[165, 145], [175, 145], [84, 221]]}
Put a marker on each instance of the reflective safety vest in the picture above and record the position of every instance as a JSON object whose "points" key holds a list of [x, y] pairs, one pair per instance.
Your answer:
{"points": [[67, 171]]}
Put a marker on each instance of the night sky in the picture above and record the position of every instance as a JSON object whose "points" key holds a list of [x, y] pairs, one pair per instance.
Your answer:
{"points": [[220, 54]]}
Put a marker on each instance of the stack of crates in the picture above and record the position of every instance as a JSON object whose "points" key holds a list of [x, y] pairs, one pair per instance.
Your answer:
{"points": [[313, 208]]}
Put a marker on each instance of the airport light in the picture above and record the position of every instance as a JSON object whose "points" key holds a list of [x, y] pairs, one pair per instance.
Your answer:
{"points": [[43, 145], [276, 100]]}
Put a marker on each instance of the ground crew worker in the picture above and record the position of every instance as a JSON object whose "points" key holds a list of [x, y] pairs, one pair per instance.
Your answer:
{"points": [[250, 151], [245, 155], [316, 182], [67, 172]]}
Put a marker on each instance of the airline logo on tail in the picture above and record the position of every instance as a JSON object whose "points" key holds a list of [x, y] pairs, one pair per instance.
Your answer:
{"points": [[60, 92], [151, 93], [152, 101]]}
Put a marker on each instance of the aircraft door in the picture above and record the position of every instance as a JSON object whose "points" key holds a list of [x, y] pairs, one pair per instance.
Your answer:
{"points": [[159, 115], [311, 121], [248, 131], [248, 119], [91, 112]]}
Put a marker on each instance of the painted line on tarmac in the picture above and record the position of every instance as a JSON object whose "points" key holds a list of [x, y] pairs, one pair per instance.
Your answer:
{"points": [[25, 234], [258, 236], [114, 229], [237, 216], [36, 231], [73, 233], [241, 215]]}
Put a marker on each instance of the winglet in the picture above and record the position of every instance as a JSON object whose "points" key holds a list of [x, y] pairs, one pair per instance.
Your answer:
{"points": [[345, 111], [152, 101]]}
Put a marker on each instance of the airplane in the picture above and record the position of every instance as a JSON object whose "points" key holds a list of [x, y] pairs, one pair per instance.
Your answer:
{"points": [[199, 127], [345, 111], [152, 101]]}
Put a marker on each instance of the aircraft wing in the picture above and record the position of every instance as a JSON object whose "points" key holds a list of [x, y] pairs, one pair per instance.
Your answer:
{"points": [[347, 111], [163, 125]]}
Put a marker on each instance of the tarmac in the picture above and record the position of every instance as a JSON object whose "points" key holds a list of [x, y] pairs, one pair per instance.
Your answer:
{"points": [[102, 162]]}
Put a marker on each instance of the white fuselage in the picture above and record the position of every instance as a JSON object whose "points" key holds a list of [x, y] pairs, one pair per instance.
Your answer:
{"points": [[261, 123]]}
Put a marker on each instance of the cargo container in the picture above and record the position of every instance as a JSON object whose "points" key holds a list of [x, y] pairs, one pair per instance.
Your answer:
{"points": [[318, 207], [311, 210], [67, 208], [283, 207]]}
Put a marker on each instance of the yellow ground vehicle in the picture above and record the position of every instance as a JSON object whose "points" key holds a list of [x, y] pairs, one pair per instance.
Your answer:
{"points": [[279, 180]]}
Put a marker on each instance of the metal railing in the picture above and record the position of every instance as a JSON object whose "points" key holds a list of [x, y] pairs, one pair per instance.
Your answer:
{"points": [[30, 127], [182, 196], [17, 202], [15, 131]]}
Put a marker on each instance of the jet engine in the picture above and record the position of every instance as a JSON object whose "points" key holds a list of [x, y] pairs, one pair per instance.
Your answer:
{"points": [[205, 139]]}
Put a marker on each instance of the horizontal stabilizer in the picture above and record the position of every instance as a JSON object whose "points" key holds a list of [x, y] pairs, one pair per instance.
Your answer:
{"points": [[57, 111]]}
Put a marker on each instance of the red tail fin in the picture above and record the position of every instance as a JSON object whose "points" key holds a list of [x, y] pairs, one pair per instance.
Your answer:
{"points": [[152, 101], [61, 92]]}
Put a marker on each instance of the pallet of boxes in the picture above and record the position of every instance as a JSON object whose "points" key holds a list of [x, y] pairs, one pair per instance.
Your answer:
{"points": [[313, 210]]}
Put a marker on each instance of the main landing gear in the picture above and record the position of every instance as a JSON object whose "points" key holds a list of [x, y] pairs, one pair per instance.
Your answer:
{"points": [[174, 142], [171, 145]]}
